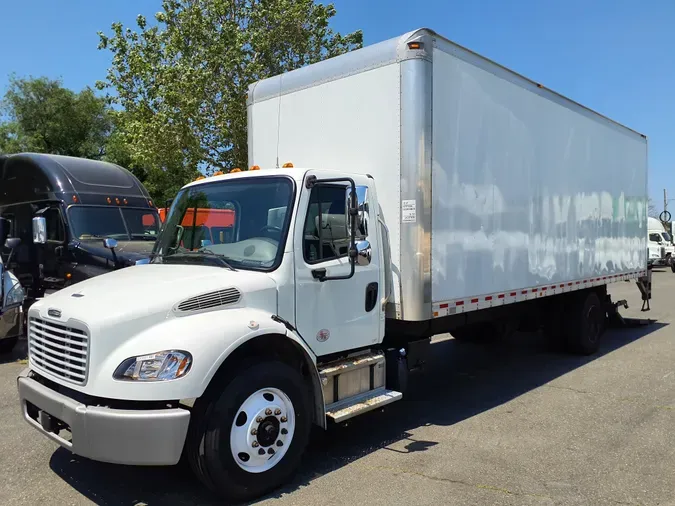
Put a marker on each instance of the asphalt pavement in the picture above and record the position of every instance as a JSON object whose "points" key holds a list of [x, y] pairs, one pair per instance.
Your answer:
{"points": [[507, 423]]}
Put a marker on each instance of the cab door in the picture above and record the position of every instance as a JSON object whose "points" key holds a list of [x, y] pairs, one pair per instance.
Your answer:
{"points": [[336, 295]]}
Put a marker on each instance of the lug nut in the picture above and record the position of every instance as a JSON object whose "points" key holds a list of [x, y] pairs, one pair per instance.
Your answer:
{"points": [[255, 444], [259, 419], [271, 451], [284, 419], [284, 431], [280, 443], [254, 432], [268, 411], [277, 411], [261, 452]]}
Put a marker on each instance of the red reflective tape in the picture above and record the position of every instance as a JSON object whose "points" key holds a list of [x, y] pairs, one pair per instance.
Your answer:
{"points": [[501, 296], [459, 303], [474, 301], [443, 306], [489, 297]]}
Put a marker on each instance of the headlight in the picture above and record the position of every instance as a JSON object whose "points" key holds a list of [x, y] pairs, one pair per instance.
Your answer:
{"points": [[14, 296], [160, 366]]}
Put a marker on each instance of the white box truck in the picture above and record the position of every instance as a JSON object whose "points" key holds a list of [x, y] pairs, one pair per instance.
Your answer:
{"points": [[424, 190], [660, 243]]}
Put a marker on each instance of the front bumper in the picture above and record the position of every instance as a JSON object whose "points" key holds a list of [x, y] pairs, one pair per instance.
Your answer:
{"points": [[119, 436]]}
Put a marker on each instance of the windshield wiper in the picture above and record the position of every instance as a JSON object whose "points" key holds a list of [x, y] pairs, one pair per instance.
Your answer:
{"points": [[203, 252]]}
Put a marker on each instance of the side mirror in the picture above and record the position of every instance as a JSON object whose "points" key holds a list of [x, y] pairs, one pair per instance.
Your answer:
{"points": [[39, 230], [110, 243], [12, 242], [364, 253]]}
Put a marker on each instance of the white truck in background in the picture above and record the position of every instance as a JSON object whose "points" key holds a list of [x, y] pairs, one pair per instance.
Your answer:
{"points": [[429, 190], [660, 243]]}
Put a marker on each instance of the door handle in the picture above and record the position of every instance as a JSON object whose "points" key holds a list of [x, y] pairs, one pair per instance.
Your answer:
{"points": [[319, 273], [371, 296]]}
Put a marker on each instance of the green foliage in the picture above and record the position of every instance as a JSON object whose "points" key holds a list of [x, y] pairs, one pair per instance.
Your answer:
{"points": [[182, 81], [43, 116]]}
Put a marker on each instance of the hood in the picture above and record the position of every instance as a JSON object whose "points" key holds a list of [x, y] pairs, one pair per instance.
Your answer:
{"points": [[128, 251], [152, 291]]}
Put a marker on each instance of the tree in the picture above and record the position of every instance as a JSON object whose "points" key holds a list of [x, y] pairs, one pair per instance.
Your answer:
{"points": [[183, 81], [43, 116]]}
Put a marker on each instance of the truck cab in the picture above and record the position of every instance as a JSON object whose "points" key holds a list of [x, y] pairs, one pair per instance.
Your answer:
{"points": [[660, 243], [264, 307], [73, 218]]}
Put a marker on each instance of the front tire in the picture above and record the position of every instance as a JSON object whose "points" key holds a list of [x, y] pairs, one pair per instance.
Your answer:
{"points": [[250, 438], [8, 344]]}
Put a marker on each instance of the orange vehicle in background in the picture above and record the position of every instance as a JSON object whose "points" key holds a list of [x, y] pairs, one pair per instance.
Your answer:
{"points": [[215, 225]]}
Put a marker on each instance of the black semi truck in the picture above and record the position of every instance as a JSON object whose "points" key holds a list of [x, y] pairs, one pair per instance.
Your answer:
{"points": [[65, 219]]}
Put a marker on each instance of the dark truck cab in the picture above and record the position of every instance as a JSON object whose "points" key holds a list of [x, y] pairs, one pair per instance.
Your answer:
{"points": [[75, 218]]}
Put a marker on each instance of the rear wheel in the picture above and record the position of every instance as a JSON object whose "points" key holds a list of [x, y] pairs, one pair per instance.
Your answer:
{"points": [[250, 438], [585, 324]]}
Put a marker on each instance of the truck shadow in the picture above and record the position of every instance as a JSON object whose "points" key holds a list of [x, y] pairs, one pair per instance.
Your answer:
{"points": [[460, 381]]}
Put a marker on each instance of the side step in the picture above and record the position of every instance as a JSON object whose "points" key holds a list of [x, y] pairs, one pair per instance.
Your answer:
{"points": [[355, 385], [357, 405]]}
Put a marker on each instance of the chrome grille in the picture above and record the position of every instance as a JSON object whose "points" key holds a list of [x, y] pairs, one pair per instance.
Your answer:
{"points": [[61, 350], [210, 300]]}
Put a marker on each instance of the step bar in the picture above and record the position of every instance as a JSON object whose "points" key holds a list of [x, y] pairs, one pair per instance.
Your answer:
{"points": [[349, 408], [355, 385]]}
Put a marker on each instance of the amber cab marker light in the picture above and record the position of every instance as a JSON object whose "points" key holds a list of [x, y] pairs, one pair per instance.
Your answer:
{"points": [[150, 202], [236, 169], [218, 173], [126, 201], [117, 201], [74, 198], [109, 200], [415, 45], [68, 275], [287, 165], [254, 167]]}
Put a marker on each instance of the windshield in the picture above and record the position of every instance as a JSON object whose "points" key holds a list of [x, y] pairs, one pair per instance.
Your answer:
{"points": [[666, 236], [93, 222], [240, 223]]}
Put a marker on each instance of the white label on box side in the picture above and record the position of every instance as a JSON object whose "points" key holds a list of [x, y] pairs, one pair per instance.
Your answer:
{"points": [[408, 211]]}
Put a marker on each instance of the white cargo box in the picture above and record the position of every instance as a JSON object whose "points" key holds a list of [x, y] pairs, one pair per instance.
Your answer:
{"points": [[494, 188]]}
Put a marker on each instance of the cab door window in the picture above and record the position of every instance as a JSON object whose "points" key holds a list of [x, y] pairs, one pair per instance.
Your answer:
{"points": [[55, 229], [326, 231]]}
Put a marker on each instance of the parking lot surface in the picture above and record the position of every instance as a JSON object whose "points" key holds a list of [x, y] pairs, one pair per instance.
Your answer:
{"points": [[506, 423]]}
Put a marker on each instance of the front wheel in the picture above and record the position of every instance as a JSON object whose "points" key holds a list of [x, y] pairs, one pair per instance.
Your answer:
{"points": [[251, 437], [8, 344]]}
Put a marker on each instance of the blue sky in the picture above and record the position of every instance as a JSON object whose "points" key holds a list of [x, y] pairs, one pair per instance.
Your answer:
{"points": [[614, 56]]}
